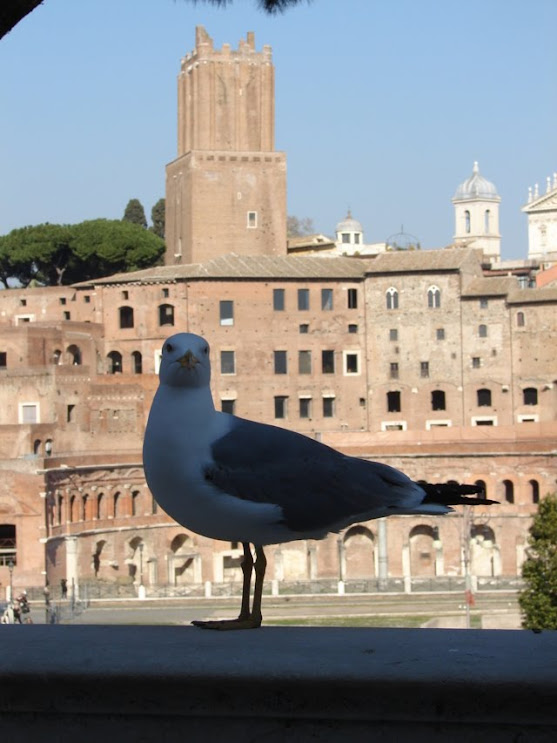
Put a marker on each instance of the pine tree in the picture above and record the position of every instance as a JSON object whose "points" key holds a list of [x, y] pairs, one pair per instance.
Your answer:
{"points": [[135, 213], [538, 600], [157, 217]]}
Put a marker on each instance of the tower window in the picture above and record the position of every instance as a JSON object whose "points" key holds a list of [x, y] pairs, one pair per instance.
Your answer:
{"points": [[227, 362], [280, 362], [326, 299], [303, 299], [530, 396], [352, 299], [424, 369], [252, 220], [305, 407], [393, 401], [328, 362], [126, 317], [351, 362], [467, 225], [278, 300], [487, 217], [166, 314], [393, 370], [520, 321], [482, 331], [226, 310], [438, 400], [352, 328], [484, 398], [281, 406], [434, 297], [392, 298], [304, 362], [440, 334], [393, 334], [345, 237], [328, 407]]}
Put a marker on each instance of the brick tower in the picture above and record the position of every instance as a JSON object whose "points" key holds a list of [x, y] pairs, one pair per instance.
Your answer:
{"points": [[226, 191]]}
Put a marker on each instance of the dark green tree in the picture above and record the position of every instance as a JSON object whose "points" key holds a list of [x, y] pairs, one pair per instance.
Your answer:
{"points": [[157, 218], [52, 254], [538, 600], [135, 213]]}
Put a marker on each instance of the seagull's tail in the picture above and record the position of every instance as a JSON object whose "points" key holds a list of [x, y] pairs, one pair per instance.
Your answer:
{"points": [[453, 494]]}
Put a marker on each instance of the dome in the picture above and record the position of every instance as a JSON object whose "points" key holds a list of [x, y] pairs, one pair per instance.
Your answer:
{"points": [[349, 224], [476, 187]]}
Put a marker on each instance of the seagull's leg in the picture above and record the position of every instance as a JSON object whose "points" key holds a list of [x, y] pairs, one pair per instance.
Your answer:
{"points": [[260, 567], [247, 569], [246, 619]]}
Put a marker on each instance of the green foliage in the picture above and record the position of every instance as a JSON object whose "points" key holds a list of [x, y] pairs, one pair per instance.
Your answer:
{"points": [[52, 254], [538, 600], [157, 218], [135, 213]]}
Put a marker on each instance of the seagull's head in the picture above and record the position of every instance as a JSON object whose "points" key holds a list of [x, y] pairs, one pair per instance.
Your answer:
{"points": [[185, 361]]}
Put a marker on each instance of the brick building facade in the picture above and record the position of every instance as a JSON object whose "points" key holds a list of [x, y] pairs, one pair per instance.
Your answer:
{"points": [[419, 359]]}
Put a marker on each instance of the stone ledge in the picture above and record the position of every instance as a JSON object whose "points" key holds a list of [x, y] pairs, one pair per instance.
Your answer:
{"points": [[137, 683]]}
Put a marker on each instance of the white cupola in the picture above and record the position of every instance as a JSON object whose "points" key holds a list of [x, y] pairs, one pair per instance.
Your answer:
{"points": [[476, 204]]}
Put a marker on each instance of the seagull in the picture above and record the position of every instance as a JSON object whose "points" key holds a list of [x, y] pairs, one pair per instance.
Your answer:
{"points": [[236, 480]]}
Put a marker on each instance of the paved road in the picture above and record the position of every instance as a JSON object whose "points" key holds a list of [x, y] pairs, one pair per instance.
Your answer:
{"points": [[180, 611]]}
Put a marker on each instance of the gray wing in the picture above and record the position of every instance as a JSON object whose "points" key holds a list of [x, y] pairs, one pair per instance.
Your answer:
{"points": [[316, 486]]}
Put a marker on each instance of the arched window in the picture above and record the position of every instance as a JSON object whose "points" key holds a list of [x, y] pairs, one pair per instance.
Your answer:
{"points": [[520, 321], [508, 489], [535, 491], [100, 506], [487, 218], [60, 514], [438, 400], [166, 314], [481, 484], [74, 353], [135, 502], [72, 513], [434, 297], [530, 396], [126, 317], [484, 398], [114, 362], [37, 447], [392, 298], [84, 509], [137, 362], [57, 356], [482, 331], [467, 225]]}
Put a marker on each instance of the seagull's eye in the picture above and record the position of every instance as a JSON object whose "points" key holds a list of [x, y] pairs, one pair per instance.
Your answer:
{"points": [[169, 347], [206, 350]]}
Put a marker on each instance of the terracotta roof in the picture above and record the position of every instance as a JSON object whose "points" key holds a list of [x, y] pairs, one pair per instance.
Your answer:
{"points": [[531, 296], [495, 286], [403, 261], [244, 267]]}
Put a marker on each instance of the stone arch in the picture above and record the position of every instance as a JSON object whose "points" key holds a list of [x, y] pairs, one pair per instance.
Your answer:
{"points": [[422, 551], [181, 562], [74, 355], [485, 556], [99, 546], [359, 552]]}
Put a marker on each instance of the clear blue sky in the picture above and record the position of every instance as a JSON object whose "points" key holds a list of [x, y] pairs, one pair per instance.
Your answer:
{"points": [[381, 105]]}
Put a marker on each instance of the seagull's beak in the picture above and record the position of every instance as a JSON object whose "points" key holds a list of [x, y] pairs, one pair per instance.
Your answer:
{"points": [[188, 360]]}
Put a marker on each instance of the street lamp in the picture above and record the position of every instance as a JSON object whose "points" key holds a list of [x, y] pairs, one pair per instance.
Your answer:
{"points": [[11, 566]]}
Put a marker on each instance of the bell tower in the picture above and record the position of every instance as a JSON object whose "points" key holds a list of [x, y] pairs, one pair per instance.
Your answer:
{"points": [[226, 191]]}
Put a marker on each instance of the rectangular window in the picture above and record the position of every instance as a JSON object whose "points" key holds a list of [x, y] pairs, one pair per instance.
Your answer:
{"points": [[278, 300], [281, 406], [305, 407], [393, 334], [352, 299], [440, 334], [483, 303], [393, 401], [345, 237], [29, 412], [280, 362], [3, 359], [304, 362], [67, 316], [424, 369], [326, 299], [23, 302], [304, 328], [351, 362], [352, 328], [62, 300], [228, 406], [87, 299], [303, 299], [227, 362], [70, 410], [252, 220], [328, 407], [476, 362], [393, 370], [226, 309], [328, 362]]}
